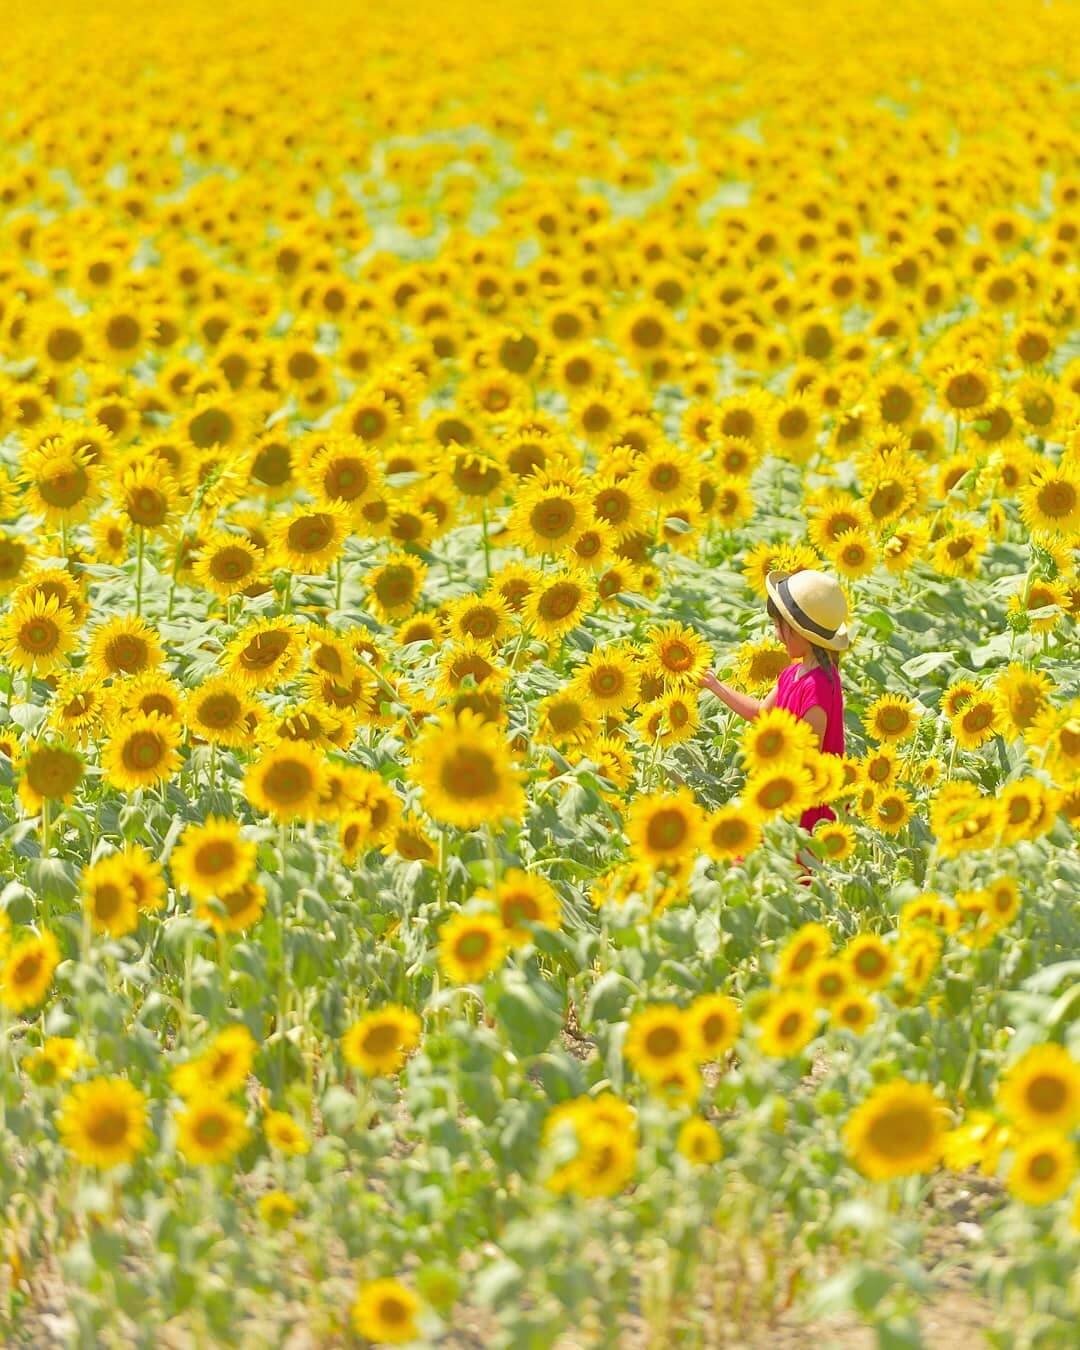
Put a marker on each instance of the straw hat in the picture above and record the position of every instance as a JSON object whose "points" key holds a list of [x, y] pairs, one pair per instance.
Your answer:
{"points": [[813, 604]]}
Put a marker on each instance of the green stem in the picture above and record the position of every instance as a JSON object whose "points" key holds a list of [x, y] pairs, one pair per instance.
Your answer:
{"points": [[46, 821], [139, 547], [337, 583], [487, 546]]}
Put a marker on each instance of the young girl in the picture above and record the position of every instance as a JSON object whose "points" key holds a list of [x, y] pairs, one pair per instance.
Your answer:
{"points": [[810, 614]]}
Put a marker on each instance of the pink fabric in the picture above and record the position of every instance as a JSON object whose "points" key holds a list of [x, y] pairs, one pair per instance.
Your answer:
{"points": [[798, 690]]}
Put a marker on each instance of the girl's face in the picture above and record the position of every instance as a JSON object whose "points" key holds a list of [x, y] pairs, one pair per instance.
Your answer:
{"points": [[795, 644]]}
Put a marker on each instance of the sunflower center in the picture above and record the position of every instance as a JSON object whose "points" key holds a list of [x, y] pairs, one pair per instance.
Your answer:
{"points": [[212, 426], [904, 1132], [965, 390], [474, 946], [108, 900], [143, 751], [1042, 1167], [231, 563], [108, 1127], [663, 1041], [220, 710], [123, 332], [470, 774], [1046, 1094], [311, 534], [667, 829], [64, 344], [39, 635], [560, 601], [1057, 499], [552, 519], [647, 332], [790, 1025], [53, 773], [211, 1129], [127, 653], [287, 781], [65, 488], [263, 650], [214, 858]]}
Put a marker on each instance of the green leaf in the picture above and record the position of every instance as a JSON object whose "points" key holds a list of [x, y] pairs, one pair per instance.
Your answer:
{"points": [[531, 1013]]}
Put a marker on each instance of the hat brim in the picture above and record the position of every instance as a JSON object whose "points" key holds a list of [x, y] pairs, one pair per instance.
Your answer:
{"points": [[840, 640]]}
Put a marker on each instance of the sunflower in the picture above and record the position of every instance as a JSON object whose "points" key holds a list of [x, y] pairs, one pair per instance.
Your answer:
{"points": [[793, 425], [1042, 1090], [854, 1012], [788, 1024], [664, 828], [122, 646], [284, 1135], [827, 981], [381, 1041], [1028, 809], [891, 718], [1022, 695], [960, 552], [385, 1312], [699, 1142], [524, 898], [897, 1131], [211, 857], [60, 482], [620, 504], [870, 960], [713, 1021], [228, 564], [904, 546], [853, 554], [471, 946], [548, 514], [37, 635], [775, 737], [1003, 900], [222, 1068], [659, 1038], [758, 664], [394, 587], [210, 1129], [892, 809], [481, 619], [1043, 1167], [608, 679], [966, 388], [150, 692], [103, 1122], [144, 875], [731, 833], [1050, 502], [976, 722], [809, 944], [782, 789], [287, 781], [146, 495], [217, 711], [666, 477], [16, 554], [235, 910], [558, 604], [265, 653], [108, 897], [466, 774], [276, 1209], [57, 1060], [677, 654], [142, 751], [49, 773], [27, 971], [834, 839], [307, 541]]}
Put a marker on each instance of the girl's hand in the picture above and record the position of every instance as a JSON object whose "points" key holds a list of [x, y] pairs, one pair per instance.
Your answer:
{"points": [[709, 681]]}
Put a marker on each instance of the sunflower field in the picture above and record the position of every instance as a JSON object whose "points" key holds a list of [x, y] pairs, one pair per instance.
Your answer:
{"points": [[399, 415]]}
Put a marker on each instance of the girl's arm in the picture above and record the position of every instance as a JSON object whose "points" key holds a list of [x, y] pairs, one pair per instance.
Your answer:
{"points": [[742, 704]]}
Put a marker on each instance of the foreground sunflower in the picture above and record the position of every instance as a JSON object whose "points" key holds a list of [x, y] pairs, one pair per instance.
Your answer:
{"points": [[666, 827], [27, 971], [211, 1129], [212, 857], [385, 1312], [465, 771], [104, 1122], [380, 1041], [1042, 1090], [897, 1131], [287, 781], [142, 752], [471, 946]]}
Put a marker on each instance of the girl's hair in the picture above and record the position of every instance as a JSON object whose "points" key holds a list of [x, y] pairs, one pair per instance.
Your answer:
{"points": [[827, 660]]}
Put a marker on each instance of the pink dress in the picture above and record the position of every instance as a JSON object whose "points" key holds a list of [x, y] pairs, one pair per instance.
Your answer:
{"points": [[798, 690]]}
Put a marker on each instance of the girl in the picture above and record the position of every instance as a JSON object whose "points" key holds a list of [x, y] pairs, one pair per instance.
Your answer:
{"points": [[810, 614]]}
